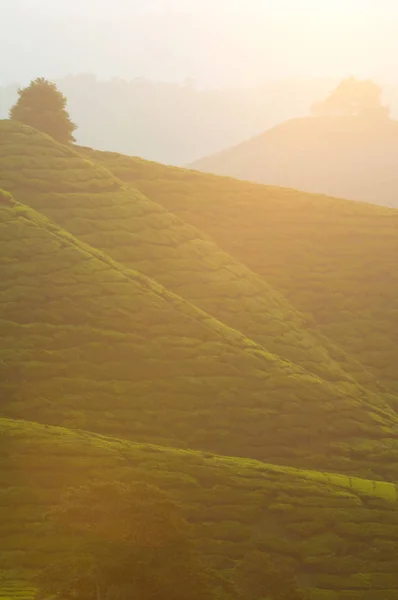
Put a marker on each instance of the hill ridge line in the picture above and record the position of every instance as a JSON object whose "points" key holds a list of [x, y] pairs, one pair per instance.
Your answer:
{"points": [[254, 348], [359, 486]]}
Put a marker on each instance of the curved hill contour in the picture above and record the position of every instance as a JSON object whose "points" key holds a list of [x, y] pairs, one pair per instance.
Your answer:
{"points": [[142, 235], [89, 344], [339, 533], [162, 319], [334, 259], [348, 157]]}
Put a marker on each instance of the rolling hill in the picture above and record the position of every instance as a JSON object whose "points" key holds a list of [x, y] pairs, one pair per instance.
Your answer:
{"points": [[339, 533], [91, 204], [333, 259], [348, 157], [130, 359], [230, 342]]}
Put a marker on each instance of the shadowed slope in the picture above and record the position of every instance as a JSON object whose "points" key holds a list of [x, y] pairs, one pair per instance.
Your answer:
{"points": [[335, 260], [349, 157], [339, 534], [89, 344], [142, 235]]}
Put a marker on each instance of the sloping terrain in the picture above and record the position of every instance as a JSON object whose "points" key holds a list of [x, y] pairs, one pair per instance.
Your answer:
{"points": [[335, 260], [142, 235], [87, 343], [119, 317], [340, 534], [350, 157]]}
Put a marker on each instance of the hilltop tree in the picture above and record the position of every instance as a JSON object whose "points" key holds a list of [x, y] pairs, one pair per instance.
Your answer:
{"points": [[353, 97], [132, 541], [42, 106]]}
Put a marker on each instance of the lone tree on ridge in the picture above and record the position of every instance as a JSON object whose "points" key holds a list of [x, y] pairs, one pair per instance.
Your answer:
{"points": [[42, 106], [354, 98]]}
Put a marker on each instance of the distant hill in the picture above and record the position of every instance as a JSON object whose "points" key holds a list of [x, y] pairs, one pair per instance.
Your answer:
{"points": [[348, 157], [176, 123]]}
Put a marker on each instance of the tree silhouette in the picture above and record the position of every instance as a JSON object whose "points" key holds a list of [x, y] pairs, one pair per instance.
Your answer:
{"points": [[42, 106], [353, 97]]}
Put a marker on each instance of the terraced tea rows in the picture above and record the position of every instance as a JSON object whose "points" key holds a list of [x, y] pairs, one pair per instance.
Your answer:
{"points": [[128, 358], [328, 534], [143, 236], [333, 259], [120, 318]]}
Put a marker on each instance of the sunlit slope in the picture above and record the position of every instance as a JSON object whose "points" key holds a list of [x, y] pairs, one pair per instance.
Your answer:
{"points": [[87, 343], [350, 157], [34, 162], [335, 260], [142, 235], [342, 539]]}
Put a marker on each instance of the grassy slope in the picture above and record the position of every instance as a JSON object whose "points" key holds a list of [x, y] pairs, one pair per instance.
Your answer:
{"points": [[335, 260], [142, 235], [341, 535], [340, 156], [65, 304], [130, 359]]}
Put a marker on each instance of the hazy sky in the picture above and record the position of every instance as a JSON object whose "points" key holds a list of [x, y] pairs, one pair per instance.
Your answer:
{"points": [[216, 42]]}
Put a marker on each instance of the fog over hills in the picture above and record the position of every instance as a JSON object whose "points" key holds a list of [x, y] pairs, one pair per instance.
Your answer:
{"points": [[198, 323], [182, 79], [178, 123], [347, 157]]}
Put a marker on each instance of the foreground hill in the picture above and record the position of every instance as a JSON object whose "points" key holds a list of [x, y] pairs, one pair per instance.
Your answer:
{"points": [[89, 202], [339, 533], [349, 157], [87, 343], [333, 259], [119, 317]]}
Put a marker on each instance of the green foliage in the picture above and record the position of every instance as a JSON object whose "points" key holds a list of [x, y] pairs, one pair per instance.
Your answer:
{"points": [[333, 259], [128, 358], [258, 576], [133, 541], [118, 316], [139, 514], [42, 106], [141, 235], [31, 162], [5, 197], [326, 534]]}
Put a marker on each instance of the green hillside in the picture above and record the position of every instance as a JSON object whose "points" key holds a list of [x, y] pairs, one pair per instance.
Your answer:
{"points": [[333, 259], [349, 157], [340, 535], [142, 235], [232, 343], [130, 359], [33, 162]]}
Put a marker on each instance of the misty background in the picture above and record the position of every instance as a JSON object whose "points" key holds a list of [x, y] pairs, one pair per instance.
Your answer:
{"points": [[174, 80]]}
